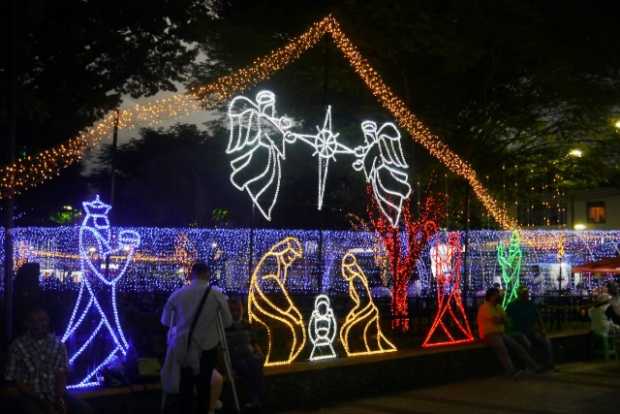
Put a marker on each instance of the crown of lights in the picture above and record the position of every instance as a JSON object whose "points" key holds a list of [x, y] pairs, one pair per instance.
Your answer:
{"points": [[30, 171], [96, 207]]}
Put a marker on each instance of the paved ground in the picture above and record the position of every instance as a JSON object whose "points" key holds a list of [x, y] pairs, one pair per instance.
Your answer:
{"points": [[576, 388]]}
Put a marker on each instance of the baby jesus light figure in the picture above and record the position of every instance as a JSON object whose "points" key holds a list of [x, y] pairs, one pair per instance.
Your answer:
{"points": [[322, 329]]}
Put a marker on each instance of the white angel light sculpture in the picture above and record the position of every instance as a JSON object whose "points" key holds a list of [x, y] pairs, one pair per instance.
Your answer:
{"points": [[384, 167], [258, 140], [322, 329], [94, 326]]}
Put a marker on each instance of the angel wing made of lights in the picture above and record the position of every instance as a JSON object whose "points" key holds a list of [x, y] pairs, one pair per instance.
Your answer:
{"points": [[258, 140], [384, 166]]}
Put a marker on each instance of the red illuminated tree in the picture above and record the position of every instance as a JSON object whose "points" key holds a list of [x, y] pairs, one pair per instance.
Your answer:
{"points": [[404, 245]]}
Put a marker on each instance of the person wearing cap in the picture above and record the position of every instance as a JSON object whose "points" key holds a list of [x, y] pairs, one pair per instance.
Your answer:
{"points": [[527, 326], [600, 324]]}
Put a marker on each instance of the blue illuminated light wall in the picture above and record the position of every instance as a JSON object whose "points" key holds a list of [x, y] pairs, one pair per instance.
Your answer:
{"points": [[157, 265]]}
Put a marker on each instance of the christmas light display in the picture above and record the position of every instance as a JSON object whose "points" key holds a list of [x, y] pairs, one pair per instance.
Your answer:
{"points": [[155, 268], [322, 329], [510, 265], [259, 136], [32, 170], [258, 141], [384, 166], [23, 254], [270, 305], [102, 266], [362, 323], [184, 255], [450, 317], [400, 260], [380, 253]]}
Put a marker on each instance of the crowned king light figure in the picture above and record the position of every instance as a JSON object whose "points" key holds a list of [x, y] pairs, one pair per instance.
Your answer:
{"points": [[94, 335]]}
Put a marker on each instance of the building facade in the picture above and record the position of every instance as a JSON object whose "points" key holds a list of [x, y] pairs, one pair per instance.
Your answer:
{"points": [[594, 209]]}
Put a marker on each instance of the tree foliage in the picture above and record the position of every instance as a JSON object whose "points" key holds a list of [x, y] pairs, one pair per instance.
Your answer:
{"points": [[511, 86], [75, 59]]}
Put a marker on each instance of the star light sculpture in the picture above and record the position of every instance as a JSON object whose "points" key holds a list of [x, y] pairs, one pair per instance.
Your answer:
{"points": [[258, 141]]}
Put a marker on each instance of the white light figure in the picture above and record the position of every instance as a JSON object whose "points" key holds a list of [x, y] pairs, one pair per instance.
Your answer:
{"points": [[384, 167], [322, 329], [94, 324], [258, 140], [257, 136]]}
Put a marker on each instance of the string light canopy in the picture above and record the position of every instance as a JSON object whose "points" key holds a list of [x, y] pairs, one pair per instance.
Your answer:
{"points": [[30, 171]]}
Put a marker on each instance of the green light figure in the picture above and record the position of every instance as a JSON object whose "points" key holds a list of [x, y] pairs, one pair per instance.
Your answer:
{"points": [[511, 267]]}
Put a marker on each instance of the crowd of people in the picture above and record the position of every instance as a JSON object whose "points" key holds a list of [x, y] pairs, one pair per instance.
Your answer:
{"points": [[192, 375], [520, 331], [200, 319]]}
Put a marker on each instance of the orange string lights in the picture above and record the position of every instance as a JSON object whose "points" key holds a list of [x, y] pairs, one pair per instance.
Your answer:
{"points": [[30, 171]]}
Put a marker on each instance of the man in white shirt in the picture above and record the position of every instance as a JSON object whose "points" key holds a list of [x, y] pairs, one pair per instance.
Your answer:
{"points": [[179, 313]]}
